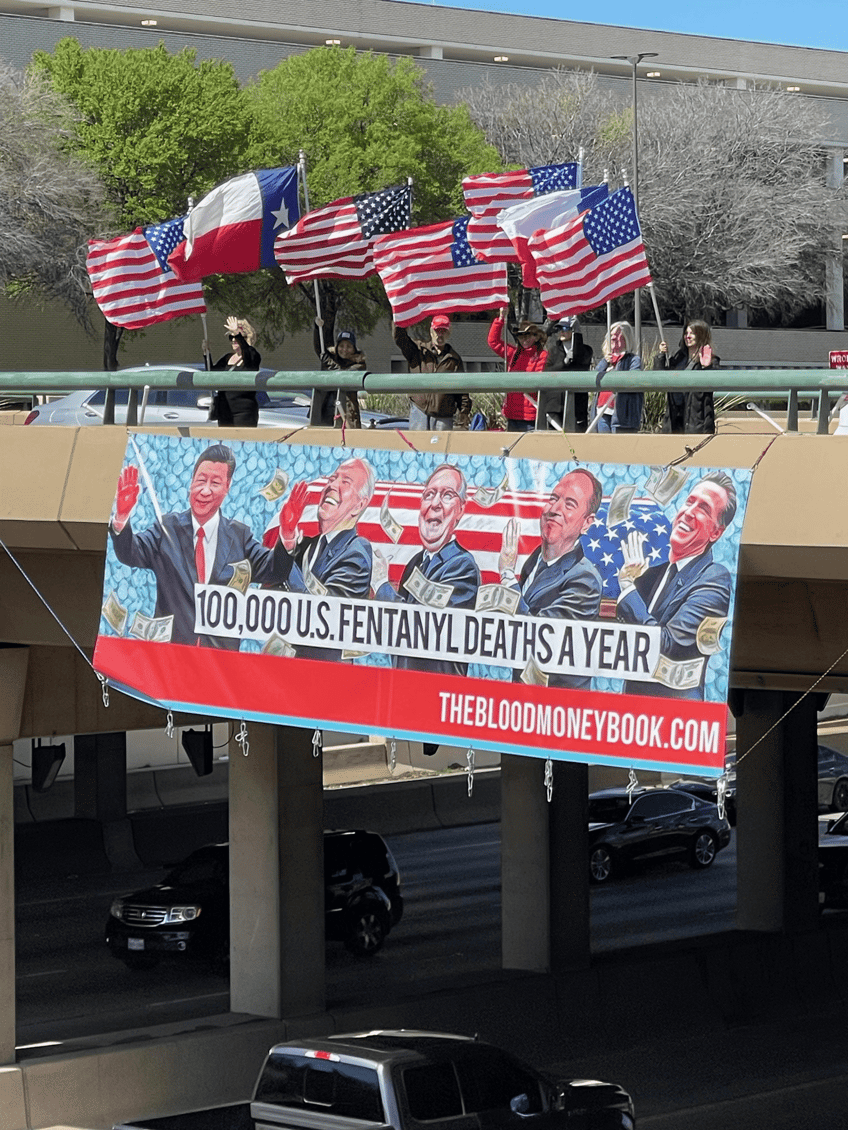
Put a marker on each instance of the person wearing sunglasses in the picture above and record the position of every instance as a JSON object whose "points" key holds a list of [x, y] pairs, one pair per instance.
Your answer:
{"points": [[238, 408]]}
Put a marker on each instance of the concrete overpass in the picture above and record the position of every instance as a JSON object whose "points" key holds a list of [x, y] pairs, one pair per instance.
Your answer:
{"points": [[790, 647]]}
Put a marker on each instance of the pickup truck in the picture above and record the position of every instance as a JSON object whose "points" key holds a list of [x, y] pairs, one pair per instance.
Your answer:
{"points": [[403, 1080]]}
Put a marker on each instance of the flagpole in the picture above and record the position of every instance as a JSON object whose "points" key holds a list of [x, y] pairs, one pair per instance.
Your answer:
{"points": [[656, 310], [609, 304], [314, 408]]}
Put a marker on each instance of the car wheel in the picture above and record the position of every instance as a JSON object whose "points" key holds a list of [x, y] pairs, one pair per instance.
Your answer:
{"points": [[368, 929], [140, 961], [600, 864], [840, 796], [704, 849]]}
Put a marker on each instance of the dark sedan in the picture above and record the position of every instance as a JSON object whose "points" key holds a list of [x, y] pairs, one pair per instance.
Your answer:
{"points": [[627, 826], [833, 862], [833, 780]]}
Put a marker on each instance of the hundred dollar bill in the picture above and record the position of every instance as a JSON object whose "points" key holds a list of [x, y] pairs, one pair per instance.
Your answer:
{"points": [[497, 598], [533, 674], [277, 486], [488, 496], [664, 483], [708, 637], [679, 675], [619, 506], [312, 583], [115, 613], [350, 654], [392, 527], [428, 592], [276, 645], [153, 629], [242, 575]]}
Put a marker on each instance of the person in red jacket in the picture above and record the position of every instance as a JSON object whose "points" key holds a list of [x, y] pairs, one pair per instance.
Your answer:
{"points": [[527, 357]]}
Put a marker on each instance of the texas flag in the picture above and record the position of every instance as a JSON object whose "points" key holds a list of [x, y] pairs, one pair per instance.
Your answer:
{"points": [[233, 228], [542, 213]]}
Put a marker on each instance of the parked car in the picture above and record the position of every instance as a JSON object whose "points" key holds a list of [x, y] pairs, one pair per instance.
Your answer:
{"points": [[833, 861], [649, 823], [707, 788], [833, 780], [186, 406], [188, 913]]}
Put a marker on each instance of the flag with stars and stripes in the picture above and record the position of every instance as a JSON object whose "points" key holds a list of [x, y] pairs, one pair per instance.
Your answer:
{"points": [[132, 282], [335, 241], [591, 259], [434, 270], [487, 194]]}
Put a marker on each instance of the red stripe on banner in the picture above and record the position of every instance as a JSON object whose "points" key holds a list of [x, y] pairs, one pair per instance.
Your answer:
{"points": [[589, 726]]}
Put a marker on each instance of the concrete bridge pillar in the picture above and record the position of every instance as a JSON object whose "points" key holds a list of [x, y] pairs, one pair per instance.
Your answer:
{"points": [[777, 803], [13, 672], [544, 866], [100, 792], [277, 952]]}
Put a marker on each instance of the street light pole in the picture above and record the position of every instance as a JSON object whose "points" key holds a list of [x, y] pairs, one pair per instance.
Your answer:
{"points": [[634, 61]]}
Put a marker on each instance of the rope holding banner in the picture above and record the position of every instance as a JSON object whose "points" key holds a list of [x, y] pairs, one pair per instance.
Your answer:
{"points": [[169, 724], [317, 743], [469, 757], [549, 778], [392, 755], [241, 738], [104, 687], [632, 784]]}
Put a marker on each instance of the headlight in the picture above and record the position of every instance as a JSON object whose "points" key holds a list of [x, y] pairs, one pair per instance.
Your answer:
{"points": [[182, 913], [117, 909]]}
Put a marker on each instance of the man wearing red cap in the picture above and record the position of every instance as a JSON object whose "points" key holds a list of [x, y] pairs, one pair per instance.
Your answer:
{"points": [[432, 411]]}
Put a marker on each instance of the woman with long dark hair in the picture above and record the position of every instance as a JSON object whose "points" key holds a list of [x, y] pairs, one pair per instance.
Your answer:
{"points": [[690, 412]]}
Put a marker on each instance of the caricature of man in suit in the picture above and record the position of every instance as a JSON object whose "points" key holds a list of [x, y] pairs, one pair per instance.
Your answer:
{"points": [[441, 560], [198, 544], [336, 560], [556, 580], [680, 594]]}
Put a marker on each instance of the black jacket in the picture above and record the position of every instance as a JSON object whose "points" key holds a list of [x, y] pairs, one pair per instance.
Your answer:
{"points": [[555, 358], [687, 413], [239, 408]]}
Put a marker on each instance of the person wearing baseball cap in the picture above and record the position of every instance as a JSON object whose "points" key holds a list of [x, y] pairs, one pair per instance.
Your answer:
{"points": [[566, 352], [433, 411], [334, 406]]}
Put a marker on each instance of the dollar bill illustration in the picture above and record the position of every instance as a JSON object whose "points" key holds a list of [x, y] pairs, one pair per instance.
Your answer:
{"points": [[708, 636], [276, 645], [664, 483], [312, 583], [679, 675], [153, 629], [242, 575], [533, 675], [115, 613], [428, 592], [348, 653], [497, 598], [488, 496], [277, 486], [619, 505], [391, 526]]}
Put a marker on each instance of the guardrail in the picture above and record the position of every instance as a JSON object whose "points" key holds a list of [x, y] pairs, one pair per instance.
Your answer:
{"points": [[764, 384]]}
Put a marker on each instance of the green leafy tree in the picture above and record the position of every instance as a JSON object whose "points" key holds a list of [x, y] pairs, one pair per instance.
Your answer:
{"points": [[363, 122], [157, 127], [48, 199]]}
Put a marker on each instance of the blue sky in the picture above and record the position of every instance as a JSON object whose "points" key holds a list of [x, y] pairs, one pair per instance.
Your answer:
{"points": [[816, 23]]}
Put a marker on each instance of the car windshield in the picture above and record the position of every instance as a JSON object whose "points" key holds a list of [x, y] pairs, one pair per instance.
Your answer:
{"points": [[607, 809]]}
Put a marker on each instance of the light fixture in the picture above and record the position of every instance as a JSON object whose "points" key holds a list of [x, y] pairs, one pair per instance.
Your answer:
{"points": [[845, 237], [198, 747], [46, 762], [148, 23], [653, 74], [501, 58], [794, 89], [333, 42]]}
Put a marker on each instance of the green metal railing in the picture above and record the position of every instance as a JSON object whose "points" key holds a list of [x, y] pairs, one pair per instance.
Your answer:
{"points": [[760, 384]]}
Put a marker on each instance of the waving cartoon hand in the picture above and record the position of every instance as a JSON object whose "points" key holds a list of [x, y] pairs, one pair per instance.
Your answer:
{"points": [[635, 562], [508, 558], [379, 570], [127, 497], [291, 514]]}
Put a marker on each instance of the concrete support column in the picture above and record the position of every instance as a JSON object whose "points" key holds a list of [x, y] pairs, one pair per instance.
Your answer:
{"points": [[544, 872], [277, 953], [13, 672], [777, 803], [100, 792]]}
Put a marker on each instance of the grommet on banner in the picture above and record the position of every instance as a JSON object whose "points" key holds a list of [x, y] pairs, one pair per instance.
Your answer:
{"points": [[721, 795], [104, 687], [241, 738], [632, 785], [469, 757], [549, 778], [169, 724], [317, 743], [392, 755]]}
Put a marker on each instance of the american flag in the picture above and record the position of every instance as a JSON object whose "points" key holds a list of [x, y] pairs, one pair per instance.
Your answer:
{"points": [[591, 259], [132, 282], [490, 193], [433, 270], [336, 241]]}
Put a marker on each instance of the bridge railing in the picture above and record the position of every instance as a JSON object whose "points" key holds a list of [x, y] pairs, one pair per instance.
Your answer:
{"points": [[823, 386]]}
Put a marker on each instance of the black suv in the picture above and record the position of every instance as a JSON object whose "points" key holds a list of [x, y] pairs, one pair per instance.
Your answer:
{"points": [[188, 913]]}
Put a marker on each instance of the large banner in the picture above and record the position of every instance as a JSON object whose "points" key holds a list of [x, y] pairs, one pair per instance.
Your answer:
{"points": [[566, 610]]}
